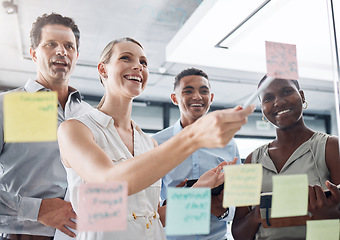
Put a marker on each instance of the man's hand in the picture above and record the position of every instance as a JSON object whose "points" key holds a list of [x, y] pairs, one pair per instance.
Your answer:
{"points": [[182, 184], [212, 178], [233, 162], [57, 213]]}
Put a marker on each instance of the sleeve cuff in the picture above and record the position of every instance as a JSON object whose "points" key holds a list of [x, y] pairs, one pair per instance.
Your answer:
{"points": [[29, 209]]}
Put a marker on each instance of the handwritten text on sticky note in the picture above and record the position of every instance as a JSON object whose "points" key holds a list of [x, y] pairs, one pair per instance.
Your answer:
{"points": [[242, 185], [290, 195], [30, 117], [188, 211], [102, 206], [281, 60]]}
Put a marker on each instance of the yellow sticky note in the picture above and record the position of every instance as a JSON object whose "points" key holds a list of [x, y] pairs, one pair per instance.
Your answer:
{"points": [[323, 229], [30, 117], [242, 185], [290, 195]]}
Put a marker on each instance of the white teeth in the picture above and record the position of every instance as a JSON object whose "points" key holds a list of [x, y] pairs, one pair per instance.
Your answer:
{"points": [[60, 62], [282, 112], [134, 78], [196, 105]]}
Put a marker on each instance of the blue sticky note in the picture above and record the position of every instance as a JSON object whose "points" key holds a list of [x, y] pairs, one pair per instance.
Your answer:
{"points": [[188, 211]]}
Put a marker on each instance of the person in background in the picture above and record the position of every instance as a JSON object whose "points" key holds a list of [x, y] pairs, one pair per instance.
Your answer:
{"points": [[295, 150], [32, 179], [193, 96], [105, 145]]}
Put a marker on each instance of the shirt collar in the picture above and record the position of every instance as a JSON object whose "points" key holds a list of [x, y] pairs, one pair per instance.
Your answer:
{"points": [[177, 127], [34, 86], [104, 120], [100, 117], [74, 93]]}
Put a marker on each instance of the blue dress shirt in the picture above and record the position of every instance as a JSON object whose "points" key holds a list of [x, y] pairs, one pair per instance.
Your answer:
{"points": [[193, 167]]}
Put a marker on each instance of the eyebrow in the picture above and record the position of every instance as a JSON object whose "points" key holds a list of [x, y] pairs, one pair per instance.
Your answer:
{"points": [[205, 87], [54, 40], [72, 43], [131, 54], [188, 87], [126, 53], [191, 87]]}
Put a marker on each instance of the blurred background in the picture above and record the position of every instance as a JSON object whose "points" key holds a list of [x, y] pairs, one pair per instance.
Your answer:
{"points": [[225, 38]]}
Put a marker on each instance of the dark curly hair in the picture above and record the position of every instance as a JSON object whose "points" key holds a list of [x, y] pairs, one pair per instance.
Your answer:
{"points": [[189, 72], [50, 19]]}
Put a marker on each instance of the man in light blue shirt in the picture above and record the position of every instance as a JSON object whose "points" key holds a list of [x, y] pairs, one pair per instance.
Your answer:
{"points": [[192, 94]]}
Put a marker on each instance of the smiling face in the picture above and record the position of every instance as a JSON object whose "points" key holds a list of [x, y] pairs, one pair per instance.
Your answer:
{"points": [[282, 103], [126, 71], [193, 98], [56, 55]]}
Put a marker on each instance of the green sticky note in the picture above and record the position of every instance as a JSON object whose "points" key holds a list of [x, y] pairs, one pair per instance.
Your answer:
{"points": [[323, 229], [30, 117], [188, 211], [290, 195], [242, 185]]}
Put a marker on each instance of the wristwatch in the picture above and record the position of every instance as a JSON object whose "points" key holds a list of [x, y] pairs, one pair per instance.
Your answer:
{"points": [[224, 215]]}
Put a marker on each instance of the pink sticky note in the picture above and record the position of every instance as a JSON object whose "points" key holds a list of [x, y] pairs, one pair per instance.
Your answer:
{"points": [[281, 60], [102, 207]]}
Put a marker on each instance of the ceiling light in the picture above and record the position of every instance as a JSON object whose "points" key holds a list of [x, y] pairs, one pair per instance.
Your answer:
{"points": [[10, 7], [162, 70]]}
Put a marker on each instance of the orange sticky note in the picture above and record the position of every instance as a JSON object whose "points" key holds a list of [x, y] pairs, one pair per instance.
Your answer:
{"points": [[30, 117], [281, 60], [102, 207]]}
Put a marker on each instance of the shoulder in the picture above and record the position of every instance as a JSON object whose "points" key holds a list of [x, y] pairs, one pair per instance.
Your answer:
{"points": [[332, 144], [332, 140], [332, 158], [73, 127], [232, 143], [86, 105], [248, 158], [163, 135], [20, 89], [254, 156], [321, 141]]}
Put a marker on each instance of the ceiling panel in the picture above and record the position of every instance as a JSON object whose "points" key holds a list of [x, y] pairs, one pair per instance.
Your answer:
{"points": [[181, 25]]}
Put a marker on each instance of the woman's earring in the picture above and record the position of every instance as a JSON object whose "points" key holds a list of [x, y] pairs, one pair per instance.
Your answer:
{"points": [[265, 119], [306, 106]]}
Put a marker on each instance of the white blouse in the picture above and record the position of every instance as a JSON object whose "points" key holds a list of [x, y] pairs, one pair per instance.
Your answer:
{"points": [[143, 219]]}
